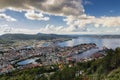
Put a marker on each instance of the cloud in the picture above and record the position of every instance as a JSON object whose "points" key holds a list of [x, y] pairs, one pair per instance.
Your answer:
{"points": [[2, 10], [52, 29], [6, 17], [35, 16], [84, 20], [60, 29], [5, 29], [77, 30], [55, 7], [80, 21], [108, 21]]}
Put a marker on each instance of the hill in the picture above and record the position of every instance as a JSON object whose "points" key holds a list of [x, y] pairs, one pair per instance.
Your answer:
{"points": [[38, 36]]}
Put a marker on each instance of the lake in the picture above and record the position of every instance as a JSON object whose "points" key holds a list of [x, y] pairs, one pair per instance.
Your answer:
{"points": [[28, 61]]}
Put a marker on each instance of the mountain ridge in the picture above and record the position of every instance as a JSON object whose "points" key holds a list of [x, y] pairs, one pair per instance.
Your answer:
{"points": [[38, 36]]}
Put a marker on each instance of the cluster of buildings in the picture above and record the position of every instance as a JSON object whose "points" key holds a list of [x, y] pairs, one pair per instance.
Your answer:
{"points": [[47, 55]]}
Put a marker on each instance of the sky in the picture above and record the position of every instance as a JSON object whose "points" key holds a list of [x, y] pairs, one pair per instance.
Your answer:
{"points": [[60, 16]]}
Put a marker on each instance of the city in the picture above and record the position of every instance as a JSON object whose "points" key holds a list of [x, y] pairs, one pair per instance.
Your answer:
{"points": [[48, 55], [59, 40]]}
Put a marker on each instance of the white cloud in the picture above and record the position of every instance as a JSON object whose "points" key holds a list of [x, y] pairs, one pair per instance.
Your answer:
{"points": [[84, 20], [5, 29], [108, 21], [77, 30], [60, 29], [6, 17], [55, 7], [35, 16], [52, 29]]}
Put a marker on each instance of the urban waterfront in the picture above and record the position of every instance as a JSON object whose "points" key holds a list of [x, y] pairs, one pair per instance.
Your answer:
{"points": [[100, 42]]}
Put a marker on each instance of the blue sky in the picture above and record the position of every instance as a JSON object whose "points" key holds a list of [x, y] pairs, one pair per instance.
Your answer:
{"points": [[103, 8], [64, 17]]}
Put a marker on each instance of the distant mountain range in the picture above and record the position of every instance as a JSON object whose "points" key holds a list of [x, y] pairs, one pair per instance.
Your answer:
{"points": [[41, 36], [38, 36]]}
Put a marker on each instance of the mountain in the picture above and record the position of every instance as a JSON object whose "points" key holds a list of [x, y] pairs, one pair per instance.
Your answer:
{"points": [[38, 36]]}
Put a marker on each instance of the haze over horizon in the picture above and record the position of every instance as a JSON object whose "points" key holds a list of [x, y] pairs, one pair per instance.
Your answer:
{"points": [[60, 16]]}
